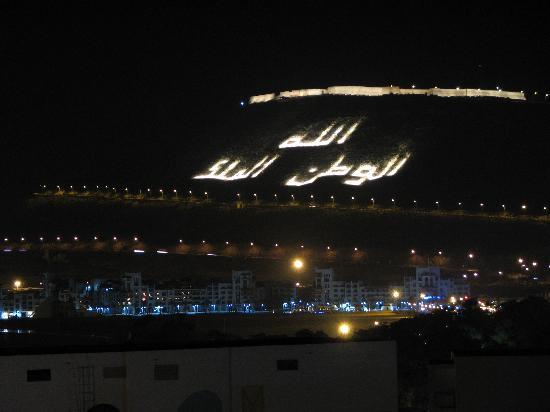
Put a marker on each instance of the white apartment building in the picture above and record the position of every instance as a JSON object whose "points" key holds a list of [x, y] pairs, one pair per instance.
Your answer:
{"points": [[428, 282]]}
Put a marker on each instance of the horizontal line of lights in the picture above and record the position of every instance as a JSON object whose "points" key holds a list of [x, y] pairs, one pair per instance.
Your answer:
{"points": [[337, 170]]}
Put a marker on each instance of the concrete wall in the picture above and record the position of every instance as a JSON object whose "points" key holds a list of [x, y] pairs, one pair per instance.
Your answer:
{"points": [[382, 91], [349, 376]]}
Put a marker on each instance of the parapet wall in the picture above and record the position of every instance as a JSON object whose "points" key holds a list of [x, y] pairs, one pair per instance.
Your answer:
{"points": [[383, 91]]}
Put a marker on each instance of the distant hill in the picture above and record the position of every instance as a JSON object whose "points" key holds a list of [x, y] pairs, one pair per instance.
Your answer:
{"points": [[461, 149]]}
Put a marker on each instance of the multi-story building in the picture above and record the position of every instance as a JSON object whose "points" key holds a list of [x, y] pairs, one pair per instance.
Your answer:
{"points": [[219, 296], [21, 302], [244, 289], [428, 284], [352, 294]]}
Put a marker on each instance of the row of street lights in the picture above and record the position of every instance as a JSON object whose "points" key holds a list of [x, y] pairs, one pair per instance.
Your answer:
{"points": [[413, 252], [460, 205]]}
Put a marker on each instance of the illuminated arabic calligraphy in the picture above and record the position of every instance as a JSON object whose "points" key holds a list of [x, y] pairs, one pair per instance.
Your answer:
{"points": [[338, 131], [323, 139], [220, 171], [363, 172]]}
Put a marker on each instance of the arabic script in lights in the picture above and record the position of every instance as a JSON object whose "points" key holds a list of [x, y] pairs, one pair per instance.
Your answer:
{"points": [[225, 169], [326, 137], [360, 174]]}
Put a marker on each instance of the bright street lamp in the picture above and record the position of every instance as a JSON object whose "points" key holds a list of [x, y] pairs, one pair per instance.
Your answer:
{"points": [[298, 264], [344, 329]]}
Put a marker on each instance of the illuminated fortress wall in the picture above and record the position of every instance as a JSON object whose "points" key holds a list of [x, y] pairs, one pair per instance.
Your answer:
{"points": [[383, 91]]}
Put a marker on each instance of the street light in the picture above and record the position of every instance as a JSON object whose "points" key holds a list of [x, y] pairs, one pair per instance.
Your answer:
{"points": [[503, 208], [332, 199], [437, 204], [344, 329], [297, 264], [255, 197], [481, 205], [393, 201], [206, 194], [372, 200], [395, 294], [17, 284]]}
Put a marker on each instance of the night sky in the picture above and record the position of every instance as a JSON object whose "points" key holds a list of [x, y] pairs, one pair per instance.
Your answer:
{"points": [[111, 93]]}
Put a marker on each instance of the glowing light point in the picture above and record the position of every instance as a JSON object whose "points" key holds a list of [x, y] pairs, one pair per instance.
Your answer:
{"points": [[344, 329], [298, 264]]}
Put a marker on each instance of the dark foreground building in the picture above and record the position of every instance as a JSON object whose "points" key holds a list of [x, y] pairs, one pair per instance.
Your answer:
{"points": [[346, 376]]}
